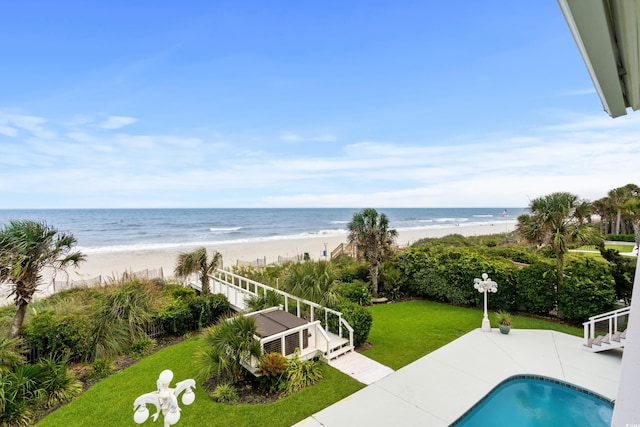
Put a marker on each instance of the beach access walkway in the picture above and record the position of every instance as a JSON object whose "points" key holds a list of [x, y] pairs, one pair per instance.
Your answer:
{"points": [[361, 368]]}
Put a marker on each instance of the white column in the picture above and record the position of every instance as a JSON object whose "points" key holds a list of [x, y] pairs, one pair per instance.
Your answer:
{"points": [[627, 409]]}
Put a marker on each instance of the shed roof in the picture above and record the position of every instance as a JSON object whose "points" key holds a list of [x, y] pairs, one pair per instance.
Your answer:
{"points": [[273, 322]]}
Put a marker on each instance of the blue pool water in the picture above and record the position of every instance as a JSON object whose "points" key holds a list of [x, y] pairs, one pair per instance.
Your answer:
{"points": [[533, 402]]}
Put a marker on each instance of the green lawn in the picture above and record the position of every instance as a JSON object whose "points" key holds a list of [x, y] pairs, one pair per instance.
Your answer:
{"points": [[110, 402], [619, 248], [404, 332], [401, 333]]}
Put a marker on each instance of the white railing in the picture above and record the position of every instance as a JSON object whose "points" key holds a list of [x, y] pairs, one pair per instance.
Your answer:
{"points": [[610, 317], [239, 288]]}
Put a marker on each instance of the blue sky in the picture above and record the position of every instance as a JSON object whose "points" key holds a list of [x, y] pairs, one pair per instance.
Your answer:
{"points": [[300, 104]]}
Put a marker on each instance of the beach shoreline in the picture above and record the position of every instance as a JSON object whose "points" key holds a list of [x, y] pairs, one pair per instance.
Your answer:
{"points": [[113, 264]]}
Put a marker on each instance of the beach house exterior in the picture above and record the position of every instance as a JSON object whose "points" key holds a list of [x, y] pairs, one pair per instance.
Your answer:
{"points": [[607, 33]]}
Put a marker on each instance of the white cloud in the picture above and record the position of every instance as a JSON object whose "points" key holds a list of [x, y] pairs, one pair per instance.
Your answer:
{"points": [[117, 122], [579, 92], [583, 156], [295, 137]]}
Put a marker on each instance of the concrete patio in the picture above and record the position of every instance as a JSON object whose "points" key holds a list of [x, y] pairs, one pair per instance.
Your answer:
{"points": [[438, 388]]}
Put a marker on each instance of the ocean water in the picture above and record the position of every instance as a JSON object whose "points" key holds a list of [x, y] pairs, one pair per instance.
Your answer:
{"points": [[114, 230]]}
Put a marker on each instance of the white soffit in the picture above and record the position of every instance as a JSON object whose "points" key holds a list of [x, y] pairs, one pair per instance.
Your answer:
{"points": [[607, 33]]}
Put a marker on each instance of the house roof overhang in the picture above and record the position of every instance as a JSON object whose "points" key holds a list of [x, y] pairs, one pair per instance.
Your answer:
{"points": [[607, 33]]}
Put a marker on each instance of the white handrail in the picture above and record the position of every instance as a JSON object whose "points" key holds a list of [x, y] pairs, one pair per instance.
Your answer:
{"points": [[248, 286], [617, 312], [610, 317]]}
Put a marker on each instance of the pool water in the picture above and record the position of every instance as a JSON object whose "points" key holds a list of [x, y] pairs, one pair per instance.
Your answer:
{"points": [[533, 402]]}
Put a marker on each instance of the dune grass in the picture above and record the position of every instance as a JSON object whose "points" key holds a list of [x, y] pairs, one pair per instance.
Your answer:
{"points": [[404, 332], [110, 402]]}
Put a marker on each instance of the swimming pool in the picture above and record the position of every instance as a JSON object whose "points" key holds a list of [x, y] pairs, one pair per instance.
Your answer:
{"points": [[532, 401]]}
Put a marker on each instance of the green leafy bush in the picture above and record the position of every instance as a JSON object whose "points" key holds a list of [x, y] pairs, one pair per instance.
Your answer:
{"points": [[586, 290], [356, 291], [142, 347], [101, 368], [447, 275], [50, 336], [621, 237], [271, 369], [358, 317], [535, 292], [176, 318], [224, 393], [302, 373]]}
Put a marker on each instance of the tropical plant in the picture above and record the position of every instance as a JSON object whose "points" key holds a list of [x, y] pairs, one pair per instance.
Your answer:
{"points": [[224, 393], [553, 223], [197, 261], [374, 239], [314, 281], [120, 320], [101, 368], [503, 318], [271, 371], [618, 198], [20, 394], [10, 354], [28, 249], [58, 383], [632, 210], [264, 300], [301, 373], [227, 346]]}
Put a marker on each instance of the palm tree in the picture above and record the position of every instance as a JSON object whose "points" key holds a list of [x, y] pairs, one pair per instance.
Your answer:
{"points": [[227, 346], [553, 223], [197, 262], [632, 210], [374, 239], [27, 249], [314, 281], [605, 210], [619, 197]]}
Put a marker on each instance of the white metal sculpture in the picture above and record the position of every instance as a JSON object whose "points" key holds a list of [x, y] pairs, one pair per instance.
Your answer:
{"points": [[165, 399], [485, 285]]}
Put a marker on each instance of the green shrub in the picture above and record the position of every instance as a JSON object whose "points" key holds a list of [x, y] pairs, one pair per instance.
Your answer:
{"points": [[621, 237], [264, 300], [182, 292], [226, 347], [271, 369], [101, 368], [224, 393], [586, 290], [302, 373], [205, 310], [142, 347], [176, 318], [348, 269], [535, 292], [356, 291], [447, 275], [51, 336], [358, 317], [122, 317], [58, 384], [20, 395]]}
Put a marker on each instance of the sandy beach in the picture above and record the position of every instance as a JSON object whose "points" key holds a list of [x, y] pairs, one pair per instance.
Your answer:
{"points": [[113, 264]]}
